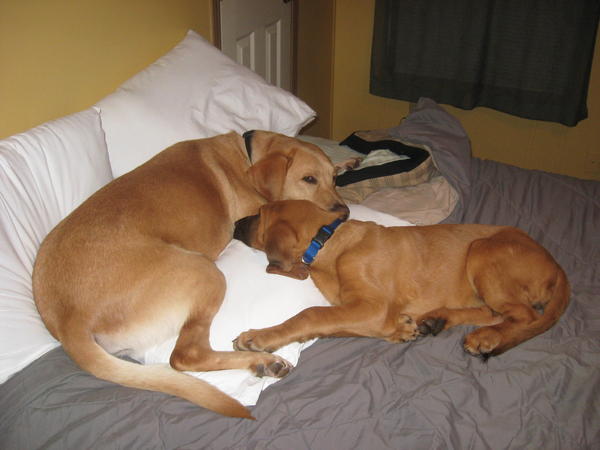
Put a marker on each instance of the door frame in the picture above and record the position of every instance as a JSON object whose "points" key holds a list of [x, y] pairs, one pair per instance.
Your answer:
{"points": [[216, 37]]}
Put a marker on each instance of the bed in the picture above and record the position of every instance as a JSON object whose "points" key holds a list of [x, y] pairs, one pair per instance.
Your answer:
{"points": [[345, 392]]}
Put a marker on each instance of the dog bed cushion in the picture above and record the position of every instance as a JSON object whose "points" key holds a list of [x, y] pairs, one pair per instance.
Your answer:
{"points": [[412, 165]]}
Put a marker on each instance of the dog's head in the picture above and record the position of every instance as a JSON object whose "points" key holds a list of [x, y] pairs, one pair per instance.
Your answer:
{"points": [[284, 230], [284, 168]]}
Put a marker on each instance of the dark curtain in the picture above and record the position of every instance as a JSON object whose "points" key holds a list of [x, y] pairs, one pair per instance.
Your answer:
{"points": [[530, 58]]}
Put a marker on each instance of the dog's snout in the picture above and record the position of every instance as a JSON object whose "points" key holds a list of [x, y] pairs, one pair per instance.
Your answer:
{"points": [[243, 227], [341, 208]]}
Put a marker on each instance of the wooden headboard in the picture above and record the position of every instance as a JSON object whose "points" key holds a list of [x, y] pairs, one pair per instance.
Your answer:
{"points": [[61, 56]]}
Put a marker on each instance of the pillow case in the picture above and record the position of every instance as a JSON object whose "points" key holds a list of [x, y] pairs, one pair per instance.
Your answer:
{"points": [[193, 91], [256, 299], [44, 174]]}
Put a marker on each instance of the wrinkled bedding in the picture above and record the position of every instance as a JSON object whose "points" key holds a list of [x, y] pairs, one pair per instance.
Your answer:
{"points": [[366, 393]]}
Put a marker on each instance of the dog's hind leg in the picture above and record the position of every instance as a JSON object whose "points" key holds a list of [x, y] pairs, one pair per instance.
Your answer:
{"points": [[493, 340], [514, 276], [439, 319], [193, 353], [203, 285]]}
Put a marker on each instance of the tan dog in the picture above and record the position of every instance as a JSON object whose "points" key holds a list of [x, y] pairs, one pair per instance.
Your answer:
{"points": [[398, 282], [134, 265]]}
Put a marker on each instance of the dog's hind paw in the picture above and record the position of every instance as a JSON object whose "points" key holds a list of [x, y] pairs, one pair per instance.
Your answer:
{"points": [[482, 342], [278, 369]]}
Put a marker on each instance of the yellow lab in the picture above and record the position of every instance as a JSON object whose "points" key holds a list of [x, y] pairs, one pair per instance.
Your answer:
{"points": [[396, 283], [134, 265]]}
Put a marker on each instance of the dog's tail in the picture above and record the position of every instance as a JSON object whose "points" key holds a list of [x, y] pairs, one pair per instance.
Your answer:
{"points": [[90, 356], [553, 309]]}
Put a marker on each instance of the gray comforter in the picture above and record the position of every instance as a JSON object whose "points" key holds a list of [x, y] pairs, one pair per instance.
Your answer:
{"points": [[365, 393]]}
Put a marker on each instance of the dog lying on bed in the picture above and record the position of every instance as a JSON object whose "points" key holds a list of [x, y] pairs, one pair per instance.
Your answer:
{"points": [[134, 265], [397, 283]]}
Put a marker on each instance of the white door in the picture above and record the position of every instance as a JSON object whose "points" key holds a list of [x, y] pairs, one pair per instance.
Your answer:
{"points": [[258, 34]]}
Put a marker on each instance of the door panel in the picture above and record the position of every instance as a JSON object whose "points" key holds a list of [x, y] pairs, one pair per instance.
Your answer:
{"points": [[257, 34], [245, 53]]}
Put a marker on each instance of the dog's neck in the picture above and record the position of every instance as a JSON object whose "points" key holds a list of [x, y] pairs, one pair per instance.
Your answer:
{"points": [[317, 243]]}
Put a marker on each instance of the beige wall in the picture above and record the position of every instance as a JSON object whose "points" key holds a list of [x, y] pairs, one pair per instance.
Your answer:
{"points": [[494, 135], [352, 103], [61, 56], [315, 61]]}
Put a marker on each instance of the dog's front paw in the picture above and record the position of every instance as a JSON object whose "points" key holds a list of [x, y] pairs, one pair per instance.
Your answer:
{"points": [[406, 330], [253, 341], [264, 363]]}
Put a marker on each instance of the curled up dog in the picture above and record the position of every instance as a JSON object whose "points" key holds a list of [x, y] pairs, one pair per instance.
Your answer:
{"points": [[397, 283], [133, 265]]}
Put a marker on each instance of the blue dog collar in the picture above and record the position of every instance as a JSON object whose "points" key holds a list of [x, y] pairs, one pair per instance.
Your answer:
{"points": [[319, 240]]}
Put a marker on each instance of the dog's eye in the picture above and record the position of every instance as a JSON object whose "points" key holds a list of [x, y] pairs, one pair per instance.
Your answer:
{"points": [[310, 179]]}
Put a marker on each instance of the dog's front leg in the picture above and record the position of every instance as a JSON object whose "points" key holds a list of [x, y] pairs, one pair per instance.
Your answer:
{"points": [[352, 319]]}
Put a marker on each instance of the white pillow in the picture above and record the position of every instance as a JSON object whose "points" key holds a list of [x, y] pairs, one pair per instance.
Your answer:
{"points": [[44, 174], [194, 91], [255, 299], [364, 213]]}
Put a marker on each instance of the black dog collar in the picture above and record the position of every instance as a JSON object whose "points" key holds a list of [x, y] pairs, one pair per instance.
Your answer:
{"points": [[319, 240], [248, 141]]}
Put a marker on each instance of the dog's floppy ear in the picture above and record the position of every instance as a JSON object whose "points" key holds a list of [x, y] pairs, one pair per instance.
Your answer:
{"points": [[280, 244], [268, 175]]}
